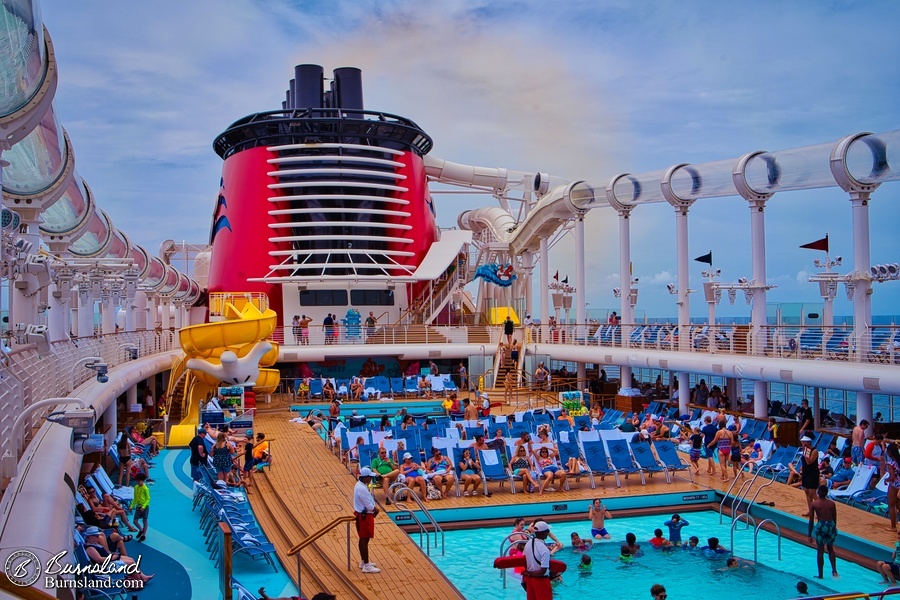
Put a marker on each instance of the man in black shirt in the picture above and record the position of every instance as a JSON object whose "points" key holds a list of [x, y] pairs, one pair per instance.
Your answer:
{"points": [[198, 453], [805, 417], [709, 431]]}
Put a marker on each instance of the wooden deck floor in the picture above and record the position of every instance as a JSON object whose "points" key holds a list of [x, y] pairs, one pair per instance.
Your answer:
{"points": [[293, 500], [308, 487]]}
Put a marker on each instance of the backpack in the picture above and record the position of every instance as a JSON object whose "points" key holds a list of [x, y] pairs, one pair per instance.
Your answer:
{"points": [[433, 492]]}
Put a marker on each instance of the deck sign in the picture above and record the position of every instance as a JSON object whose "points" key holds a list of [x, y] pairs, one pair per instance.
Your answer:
{"points": [[402, 518], [693, 497], [560, 507]]}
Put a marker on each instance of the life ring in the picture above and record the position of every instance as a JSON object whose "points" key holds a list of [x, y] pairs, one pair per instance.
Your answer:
{"points": [[792, 344], [511, 562]]}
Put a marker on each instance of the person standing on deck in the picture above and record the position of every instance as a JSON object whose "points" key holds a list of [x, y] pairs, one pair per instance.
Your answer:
{"points": [[334, 413], [805, 417], [528, 323], [508, 328], [825, 531], [809, 472], [371, 320], [536, 575], [365, 511], [463, 377], [858, 441]]}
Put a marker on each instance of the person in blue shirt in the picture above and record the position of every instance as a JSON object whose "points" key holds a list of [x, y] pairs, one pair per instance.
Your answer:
{"points": [[713, 549], [675, 524], [842, 475]]}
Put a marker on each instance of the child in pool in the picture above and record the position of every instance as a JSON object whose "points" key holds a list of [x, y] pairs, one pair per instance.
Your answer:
{"points": [[579, 544], [585, 565], [625, 556]]}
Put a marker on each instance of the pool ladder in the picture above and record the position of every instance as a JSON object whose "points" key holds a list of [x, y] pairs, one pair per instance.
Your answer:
{"points": [[741, 497], [398, 489], [504, 549]]}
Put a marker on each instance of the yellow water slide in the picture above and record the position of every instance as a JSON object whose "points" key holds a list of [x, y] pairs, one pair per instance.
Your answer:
{"points": [[212, 351]]}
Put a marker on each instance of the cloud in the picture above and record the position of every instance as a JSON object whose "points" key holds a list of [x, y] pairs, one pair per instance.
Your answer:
{"points": [[581, 89]]}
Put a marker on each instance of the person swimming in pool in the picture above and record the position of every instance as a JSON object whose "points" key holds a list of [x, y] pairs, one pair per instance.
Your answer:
{"points": [[598, 515], [585, 565], [625, 555], [633, 547], [713, 549], [579, 544]]}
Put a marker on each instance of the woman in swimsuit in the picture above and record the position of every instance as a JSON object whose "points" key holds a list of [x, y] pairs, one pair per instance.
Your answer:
{"points": [[549, 469], [722, 441], [468, 471], [520, 467], [442, 472], [736, 456], [413, 475]]}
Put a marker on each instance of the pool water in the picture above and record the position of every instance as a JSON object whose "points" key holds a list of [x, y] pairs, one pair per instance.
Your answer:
{"points": [[470, 554]]}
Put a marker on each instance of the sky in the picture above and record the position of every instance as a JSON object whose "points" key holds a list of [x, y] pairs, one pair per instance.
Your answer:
{"points": [[582, 89]]}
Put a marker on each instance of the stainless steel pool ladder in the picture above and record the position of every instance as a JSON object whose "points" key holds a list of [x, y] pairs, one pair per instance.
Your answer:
{"points": [[398, 489], [756, 527], [744, 491], [504, 548]]}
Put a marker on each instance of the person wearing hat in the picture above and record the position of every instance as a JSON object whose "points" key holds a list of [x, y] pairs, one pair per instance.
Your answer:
{"points": [[528, 324], [843, 474], [365, 511], [485, 405], [536, 575], [413, 475], [754, 457], [198, 453], [809, 471], [99, 553]]}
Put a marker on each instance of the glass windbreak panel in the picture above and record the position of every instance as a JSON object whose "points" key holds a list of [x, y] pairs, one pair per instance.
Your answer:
{"points": [[67, 213], [372, 297], [323, 298], [22, 60], [37, 161]]}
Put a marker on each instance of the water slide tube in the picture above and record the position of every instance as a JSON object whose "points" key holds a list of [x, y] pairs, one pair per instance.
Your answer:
{"points": [[231, 352]]}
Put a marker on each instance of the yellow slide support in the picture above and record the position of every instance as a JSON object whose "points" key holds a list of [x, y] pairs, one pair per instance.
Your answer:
{"points": [[498, 315], [238, 333]]}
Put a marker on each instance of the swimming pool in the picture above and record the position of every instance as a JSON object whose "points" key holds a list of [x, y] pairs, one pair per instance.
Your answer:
{"points": [[684, 574]]}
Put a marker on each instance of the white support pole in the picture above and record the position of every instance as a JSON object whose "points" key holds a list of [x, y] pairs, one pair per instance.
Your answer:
{"points": [[625, 308], [545, 286], [86, 316], [684, 392], [111, 420], [179, 315], [140, 311], [129, 314], [107, 316], [58, 316], [681, 253], [758, 308], [862, 297], [580, 285], [131, 398]]}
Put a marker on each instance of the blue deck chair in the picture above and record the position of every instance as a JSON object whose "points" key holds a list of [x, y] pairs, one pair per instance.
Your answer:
{"points": [[597, 461], [439, 423], [471, 432], [449, 384], [343, 388], [517, 428], [411, 386], [622, 460], [582, 421], [425, 439], [643, 456], [541, 419], [671, 460], [838, 345], [502, 426], [492, 469], [398, 387], [823, 442], [568, 451], [811, 341], [315, 387]]}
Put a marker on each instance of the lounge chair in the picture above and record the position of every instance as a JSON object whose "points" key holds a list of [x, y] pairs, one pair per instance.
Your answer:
{"points": [[492, 469], [643, 456], [671, 460], [597, 461], [871, 500], [568, 451], [859, 483]]}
